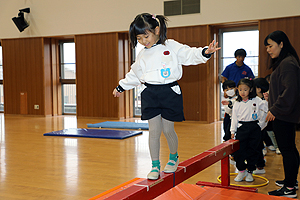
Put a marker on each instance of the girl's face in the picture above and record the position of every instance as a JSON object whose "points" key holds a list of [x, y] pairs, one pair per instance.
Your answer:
{"points": [[231, 92], [273, 48], [148, 39], [244, 91]]}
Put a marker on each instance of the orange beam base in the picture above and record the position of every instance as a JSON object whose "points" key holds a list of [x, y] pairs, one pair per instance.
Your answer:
{"points": [[185, 191], [116, 189], [148, 189]]}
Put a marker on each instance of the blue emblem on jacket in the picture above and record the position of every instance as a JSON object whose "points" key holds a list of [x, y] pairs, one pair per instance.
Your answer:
{"points": [[254, 116], [165, 73]]}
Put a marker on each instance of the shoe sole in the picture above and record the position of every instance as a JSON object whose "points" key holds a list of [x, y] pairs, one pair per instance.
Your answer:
{"points": [[239, 180], [290, 196], [152, 178]]}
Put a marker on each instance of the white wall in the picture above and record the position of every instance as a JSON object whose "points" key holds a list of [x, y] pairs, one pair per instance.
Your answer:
{"points": [[70, 17]]}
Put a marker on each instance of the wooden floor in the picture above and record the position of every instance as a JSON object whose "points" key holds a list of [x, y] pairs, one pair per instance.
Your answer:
{"points": [[33, 166]]}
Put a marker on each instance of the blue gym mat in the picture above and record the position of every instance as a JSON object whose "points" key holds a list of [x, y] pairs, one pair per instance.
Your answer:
{"points": [[94, 133], [121, 125]]}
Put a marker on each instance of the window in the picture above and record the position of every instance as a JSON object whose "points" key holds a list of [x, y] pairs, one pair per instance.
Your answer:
{"points": [[247, 40], [68, 77], [181, 7], [232, 39], [1, 82]]}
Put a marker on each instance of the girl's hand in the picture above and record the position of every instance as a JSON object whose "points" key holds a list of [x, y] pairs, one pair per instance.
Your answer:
{"points": [[232, 136], [270, 117], [212, 48], [116, 93], [224, 102]]}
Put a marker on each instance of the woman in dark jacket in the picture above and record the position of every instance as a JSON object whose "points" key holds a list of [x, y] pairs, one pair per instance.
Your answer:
{"points": [[284, 107]]}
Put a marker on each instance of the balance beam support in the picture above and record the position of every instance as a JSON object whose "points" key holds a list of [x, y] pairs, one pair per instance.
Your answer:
{"points": [[149, 189]]}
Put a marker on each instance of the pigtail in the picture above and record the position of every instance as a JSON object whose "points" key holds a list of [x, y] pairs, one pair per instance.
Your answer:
{"points": [[162, 27], [132, 36]]}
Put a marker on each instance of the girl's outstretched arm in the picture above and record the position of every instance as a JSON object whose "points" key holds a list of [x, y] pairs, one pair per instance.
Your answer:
{"points": [[212, 48]]}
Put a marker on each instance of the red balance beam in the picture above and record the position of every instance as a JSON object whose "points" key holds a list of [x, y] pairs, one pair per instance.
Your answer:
{"points": [[149, 189]]}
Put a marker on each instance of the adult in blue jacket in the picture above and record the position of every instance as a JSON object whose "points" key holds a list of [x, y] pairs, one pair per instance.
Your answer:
{"points": [[237, 70]]}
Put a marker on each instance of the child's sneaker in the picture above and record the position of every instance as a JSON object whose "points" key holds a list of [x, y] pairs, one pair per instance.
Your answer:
{"points": [[284, 192], [249, 177], [231, 160], [271, 148], [154, 174], [264, 151], [171, 166], [259, 171], [278, 151], [281, 184], [241, 175]]}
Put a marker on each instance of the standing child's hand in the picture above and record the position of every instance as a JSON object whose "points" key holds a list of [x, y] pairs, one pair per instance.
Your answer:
{"points": [[116, 93], [224, 102], [212, 48], [232, 136]]}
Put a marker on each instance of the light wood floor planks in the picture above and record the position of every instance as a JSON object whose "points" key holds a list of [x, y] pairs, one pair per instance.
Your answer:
{"points": [[33, 166]]}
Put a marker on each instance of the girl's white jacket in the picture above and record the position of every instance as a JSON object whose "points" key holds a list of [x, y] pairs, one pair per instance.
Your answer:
{"points": [[161, 64], [245, 111]]}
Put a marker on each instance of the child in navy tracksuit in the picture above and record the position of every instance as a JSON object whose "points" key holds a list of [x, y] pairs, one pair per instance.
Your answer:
{"points": [[262, 86], [248, 119], [229, 89]]}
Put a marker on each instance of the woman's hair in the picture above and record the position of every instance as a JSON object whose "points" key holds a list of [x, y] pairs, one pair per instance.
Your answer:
{"points": [[287, 49], [146, 22], [261, 83], [250, 84], [268, 77]]}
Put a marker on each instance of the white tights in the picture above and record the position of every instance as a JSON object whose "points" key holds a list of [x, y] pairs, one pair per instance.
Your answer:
{"points": [[156, 125]]}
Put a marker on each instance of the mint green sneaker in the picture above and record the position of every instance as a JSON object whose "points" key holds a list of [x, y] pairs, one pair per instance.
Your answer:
{"points": [[171, 166], [154, 173]]}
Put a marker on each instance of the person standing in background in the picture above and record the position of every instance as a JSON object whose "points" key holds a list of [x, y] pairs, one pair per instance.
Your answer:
{"points": [[284, 107], [237, 70]]}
